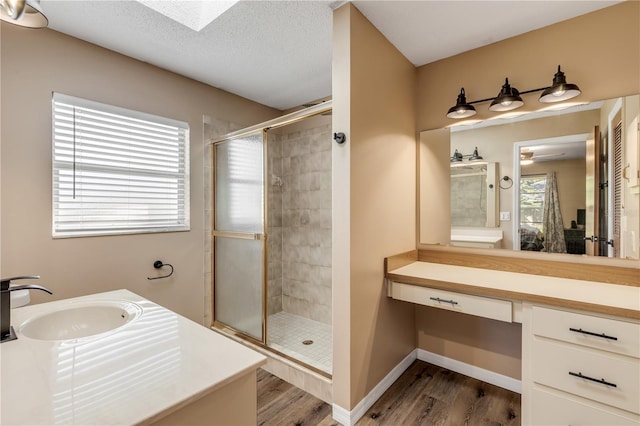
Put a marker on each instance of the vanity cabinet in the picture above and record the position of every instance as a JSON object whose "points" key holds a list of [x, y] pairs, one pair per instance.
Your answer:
{"points": [[486, 307], [579, 368], [580, 335]]}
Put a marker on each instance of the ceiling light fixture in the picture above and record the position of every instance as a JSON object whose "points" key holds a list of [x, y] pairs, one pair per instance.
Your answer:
{"points": [[509, 97], [25, 13]]}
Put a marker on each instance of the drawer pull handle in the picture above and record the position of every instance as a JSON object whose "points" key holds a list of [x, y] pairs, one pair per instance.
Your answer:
{"points": [[590, 333], [601, 381], [437, 299]]}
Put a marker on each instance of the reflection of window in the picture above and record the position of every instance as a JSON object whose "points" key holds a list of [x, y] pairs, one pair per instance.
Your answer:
{"points": [[245, 180], [532, 189], [239, 185], [117, 171]]}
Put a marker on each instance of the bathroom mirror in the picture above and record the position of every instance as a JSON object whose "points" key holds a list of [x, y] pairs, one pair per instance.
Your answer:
{"points": [[593, 150]]}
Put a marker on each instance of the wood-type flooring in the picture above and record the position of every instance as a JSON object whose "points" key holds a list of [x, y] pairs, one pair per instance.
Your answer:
{"points": [[424, 395]]}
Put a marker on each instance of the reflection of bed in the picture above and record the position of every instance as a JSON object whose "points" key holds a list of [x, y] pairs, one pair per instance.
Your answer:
{"points": [[531, 238]]}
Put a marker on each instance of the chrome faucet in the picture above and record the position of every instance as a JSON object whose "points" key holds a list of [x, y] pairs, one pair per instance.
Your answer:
{"points": [[6, 330]]}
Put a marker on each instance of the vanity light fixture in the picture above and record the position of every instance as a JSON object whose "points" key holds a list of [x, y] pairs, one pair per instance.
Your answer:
{"points": [[457, 156], [25, 13], [462, 109], [475, 156], [560, 90], [509, 97]]}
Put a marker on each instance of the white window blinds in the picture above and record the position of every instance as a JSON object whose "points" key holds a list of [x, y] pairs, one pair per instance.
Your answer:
{"points": [[117, 171]]}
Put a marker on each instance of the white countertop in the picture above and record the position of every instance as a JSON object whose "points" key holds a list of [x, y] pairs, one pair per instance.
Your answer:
{"points": [[138, 373], [524, 286], [476, 238]]}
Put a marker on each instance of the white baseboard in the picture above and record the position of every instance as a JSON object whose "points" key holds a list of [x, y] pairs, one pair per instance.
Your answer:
{"points": [[487, 376], [349, 418]]}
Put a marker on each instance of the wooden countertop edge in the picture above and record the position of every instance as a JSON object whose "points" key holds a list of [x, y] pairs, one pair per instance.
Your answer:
{"points": [[515, 295], [586, 268], [399, 260]]}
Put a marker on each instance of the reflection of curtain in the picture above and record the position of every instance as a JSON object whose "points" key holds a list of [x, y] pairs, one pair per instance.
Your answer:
{"points": [[552, 225]]}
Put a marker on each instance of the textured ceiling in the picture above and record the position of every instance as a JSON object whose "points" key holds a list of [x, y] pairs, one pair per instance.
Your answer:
{"points": [[278, 53]]}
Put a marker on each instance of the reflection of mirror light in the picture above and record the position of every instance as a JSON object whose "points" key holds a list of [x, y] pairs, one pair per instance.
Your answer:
{"points": [[468, 165], [465, 123], [526, 162], [562, 106], [508, 115]]}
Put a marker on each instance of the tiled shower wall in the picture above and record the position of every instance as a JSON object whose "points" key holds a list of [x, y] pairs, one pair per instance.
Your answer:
{"points": [[299, 209], [469, 200]]}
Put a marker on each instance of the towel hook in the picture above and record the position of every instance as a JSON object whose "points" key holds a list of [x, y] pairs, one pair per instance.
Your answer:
{"points": [[507, 185], [158, 264]]}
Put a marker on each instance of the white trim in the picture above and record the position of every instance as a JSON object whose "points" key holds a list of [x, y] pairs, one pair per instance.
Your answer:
{"points": [[341, 415], [478, 373], [349, 418], [610, 178]]}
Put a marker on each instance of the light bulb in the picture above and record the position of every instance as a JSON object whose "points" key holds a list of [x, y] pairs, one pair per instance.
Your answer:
{"points": [[506, 103], [559, 93]]}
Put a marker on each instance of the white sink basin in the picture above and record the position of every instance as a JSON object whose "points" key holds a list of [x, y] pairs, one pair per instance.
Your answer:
{"points": [[80, 320]]}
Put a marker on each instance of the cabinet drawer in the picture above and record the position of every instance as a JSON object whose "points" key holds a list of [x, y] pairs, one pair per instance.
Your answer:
{"points": [[556, 365], [619, 336], [554, 410], [464, 303]]}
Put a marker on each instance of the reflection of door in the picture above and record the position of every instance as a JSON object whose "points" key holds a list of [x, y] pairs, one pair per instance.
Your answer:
{"points": [[616, 190], [593, 192], [239, 235]]}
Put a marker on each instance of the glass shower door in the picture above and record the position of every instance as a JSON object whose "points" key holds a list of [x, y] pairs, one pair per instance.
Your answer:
{"points": [[239, 235]]}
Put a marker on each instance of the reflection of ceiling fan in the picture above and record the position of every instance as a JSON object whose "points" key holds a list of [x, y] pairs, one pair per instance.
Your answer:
{"points": [[528, 157]]}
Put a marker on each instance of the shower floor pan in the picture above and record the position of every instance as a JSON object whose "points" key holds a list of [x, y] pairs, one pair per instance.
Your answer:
{"points": [[303, 339]]}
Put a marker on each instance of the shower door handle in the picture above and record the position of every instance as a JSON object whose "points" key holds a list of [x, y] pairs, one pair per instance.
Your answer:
{"points": [[240, 235]]}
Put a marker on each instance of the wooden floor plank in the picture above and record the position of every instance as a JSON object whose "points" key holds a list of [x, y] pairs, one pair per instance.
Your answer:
{"points": [[423, 395]]}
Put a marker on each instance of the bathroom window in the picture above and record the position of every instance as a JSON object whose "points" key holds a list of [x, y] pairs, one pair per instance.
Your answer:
{"points": [[117, 171], [532, 189]]}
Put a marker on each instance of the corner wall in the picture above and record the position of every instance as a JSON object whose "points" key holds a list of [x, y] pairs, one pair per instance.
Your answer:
{"points": [[34, 64], [374, 203]]}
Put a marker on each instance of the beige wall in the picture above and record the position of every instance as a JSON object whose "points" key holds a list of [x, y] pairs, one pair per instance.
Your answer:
{"points": [[483, 342], [34, 64], [374, 101], [599, 51]]}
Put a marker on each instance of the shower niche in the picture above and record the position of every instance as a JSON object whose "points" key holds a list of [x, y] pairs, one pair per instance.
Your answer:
{"points": [[272, 236]]}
